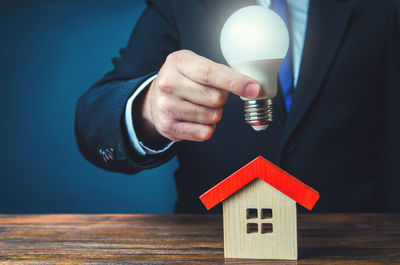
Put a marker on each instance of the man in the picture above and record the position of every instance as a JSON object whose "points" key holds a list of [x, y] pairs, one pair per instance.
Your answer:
{"points": [[171, 93]]}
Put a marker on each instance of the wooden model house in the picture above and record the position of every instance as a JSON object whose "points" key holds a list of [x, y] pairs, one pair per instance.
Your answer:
{"points": [[259, 210]]}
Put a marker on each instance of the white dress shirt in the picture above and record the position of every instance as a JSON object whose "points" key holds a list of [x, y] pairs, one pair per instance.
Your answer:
{"points": [[297, 16]]}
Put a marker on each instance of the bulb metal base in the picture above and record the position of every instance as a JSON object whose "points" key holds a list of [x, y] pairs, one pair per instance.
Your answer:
{"points": [[258, 113]]}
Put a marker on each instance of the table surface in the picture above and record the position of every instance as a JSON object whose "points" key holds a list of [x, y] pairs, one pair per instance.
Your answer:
{"points": [[184, 239]]}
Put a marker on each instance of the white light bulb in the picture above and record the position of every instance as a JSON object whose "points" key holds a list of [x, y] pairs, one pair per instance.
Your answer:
{"points": [[254, 41]]}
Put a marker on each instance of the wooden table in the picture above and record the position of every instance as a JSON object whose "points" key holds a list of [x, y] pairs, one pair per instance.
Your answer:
{"points": [[188, 239]]}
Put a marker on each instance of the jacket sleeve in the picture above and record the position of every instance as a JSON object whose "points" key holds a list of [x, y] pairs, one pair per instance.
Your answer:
{"points": [[99, 122], [391, 137]]}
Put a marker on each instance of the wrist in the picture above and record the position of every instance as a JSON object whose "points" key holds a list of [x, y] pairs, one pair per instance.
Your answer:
{"points": [[143, 122], [144, 104]]}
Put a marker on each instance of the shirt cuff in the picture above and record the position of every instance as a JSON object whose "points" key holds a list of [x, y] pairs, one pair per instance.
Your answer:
{"points": [[138, 145]]}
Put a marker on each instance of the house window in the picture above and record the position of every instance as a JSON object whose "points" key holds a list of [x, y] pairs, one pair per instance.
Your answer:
{"points": [[266, 228], [259, 223], [252, 228], [266, 213], [251, 213]]}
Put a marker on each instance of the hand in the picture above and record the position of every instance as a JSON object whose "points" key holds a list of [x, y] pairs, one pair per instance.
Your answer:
{"points": [[185, 101]]}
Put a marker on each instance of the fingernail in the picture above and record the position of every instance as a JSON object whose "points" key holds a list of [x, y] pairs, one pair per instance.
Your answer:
{"points": [[252, 90]]}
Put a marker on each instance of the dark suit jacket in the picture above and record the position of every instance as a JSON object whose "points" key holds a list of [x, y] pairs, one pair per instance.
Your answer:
{"points": [[341, 136]]}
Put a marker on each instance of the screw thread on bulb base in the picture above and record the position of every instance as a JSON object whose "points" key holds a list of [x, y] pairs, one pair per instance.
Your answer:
{"points": [[258, 113]]}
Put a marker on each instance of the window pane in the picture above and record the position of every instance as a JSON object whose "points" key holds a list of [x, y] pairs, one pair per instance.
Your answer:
{"points": [[266, 228], [266, 213], [252, 228], [251, 213]]}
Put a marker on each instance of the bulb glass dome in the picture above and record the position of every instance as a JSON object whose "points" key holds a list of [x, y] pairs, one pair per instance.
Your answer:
{"points": [[254, 33]]}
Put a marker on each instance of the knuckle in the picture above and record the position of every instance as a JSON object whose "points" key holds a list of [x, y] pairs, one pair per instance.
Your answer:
{"points": [[216, 116], [185, 52], [204, 72], [236, 84], [178, 56], [165, 107], [165, 84], [166, 126], [212, 116], [206, 133], [218, 99], [172, 57]]}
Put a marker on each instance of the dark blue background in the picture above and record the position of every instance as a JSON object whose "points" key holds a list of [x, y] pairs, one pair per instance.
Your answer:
{"points": [[51, 52]]}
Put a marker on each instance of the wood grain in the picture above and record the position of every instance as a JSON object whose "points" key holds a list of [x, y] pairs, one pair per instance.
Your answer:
{"points": [[188, 239]]}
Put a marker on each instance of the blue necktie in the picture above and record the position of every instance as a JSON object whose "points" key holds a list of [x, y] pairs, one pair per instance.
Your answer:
{"points": [[285, 70]]}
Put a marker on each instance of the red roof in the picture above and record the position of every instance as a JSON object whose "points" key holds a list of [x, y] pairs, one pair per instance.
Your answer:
{"points": [[265, 170]]}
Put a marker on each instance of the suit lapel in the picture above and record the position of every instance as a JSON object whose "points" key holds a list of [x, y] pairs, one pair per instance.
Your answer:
{"points": [[327, 23]]}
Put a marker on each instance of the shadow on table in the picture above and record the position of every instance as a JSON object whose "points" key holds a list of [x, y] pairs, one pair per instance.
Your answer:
{"points": [[356, 255], [260, 261]]}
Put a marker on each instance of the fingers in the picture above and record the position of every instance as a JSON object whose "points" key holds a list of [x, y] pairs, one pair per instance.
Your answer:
{"points": [[185, 101], [178, 119], [204, 71], [176, 130], [183, 110], [194, 92], [192, 131], [204, 95]]}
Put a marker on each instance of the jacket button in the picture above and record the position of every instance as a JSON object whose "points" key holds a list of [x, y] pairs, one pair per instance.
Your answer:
{"points": [[110, 153], [103, 155], [290, 147], [107, 154]]}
